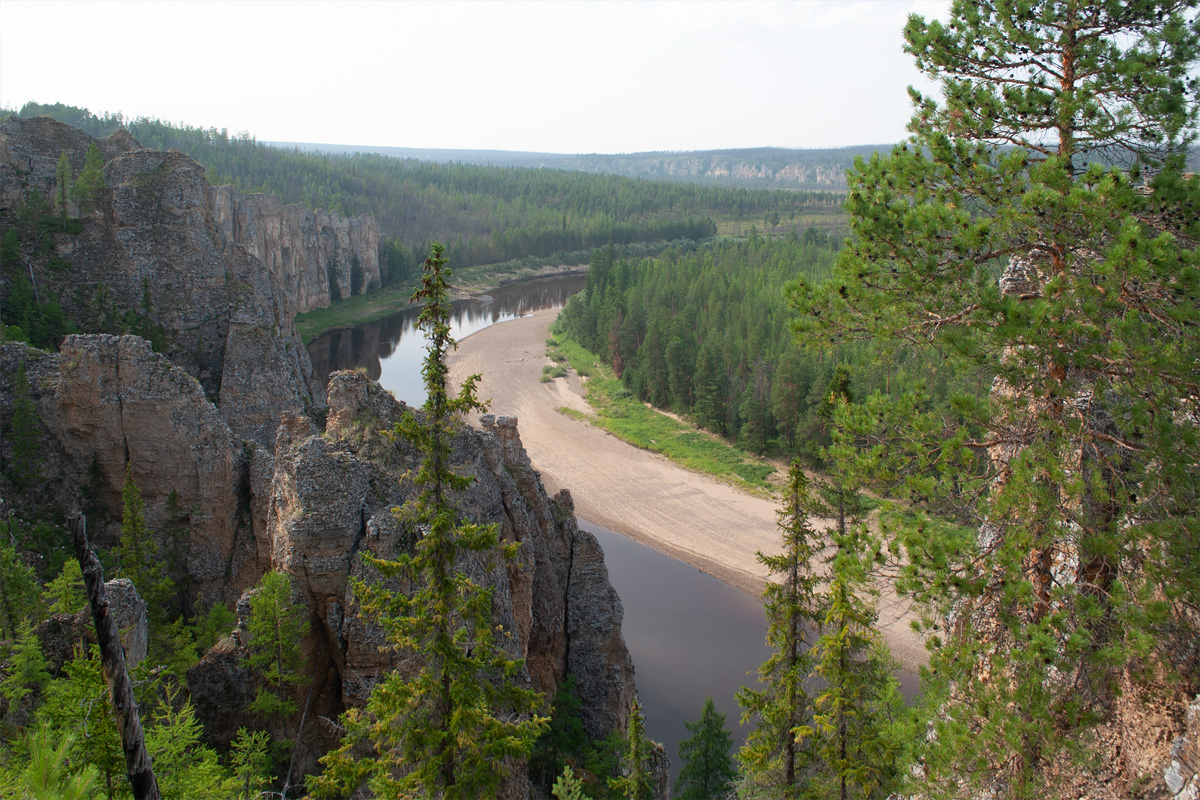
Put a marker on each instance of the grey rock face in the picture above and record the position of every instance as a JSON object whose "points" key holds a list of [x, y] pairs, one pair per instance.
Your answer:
{"points": [[301, 248]]}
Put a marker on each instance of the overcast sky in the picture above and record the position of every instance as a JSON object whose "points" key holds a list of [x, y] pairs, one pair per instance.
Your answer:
{"points": [[562, 77]]}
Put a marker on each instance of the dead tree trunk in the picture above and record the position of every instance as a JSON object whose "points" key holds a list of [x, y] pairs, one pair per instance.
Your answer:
{"points": [[138, 767]]}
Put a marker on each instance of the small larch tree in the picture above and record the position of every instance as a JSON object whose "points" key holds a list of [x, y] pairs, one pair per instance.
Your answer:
{"points": [[90, 181], [277, 625]]}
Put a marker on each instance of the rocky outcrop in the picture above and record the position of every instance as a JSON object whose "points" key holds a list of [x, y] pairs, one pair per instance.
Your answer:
{"points": [[307, 251], [119, 403], [333, 497], [61, 635], [223, 414], [1182, 775]]}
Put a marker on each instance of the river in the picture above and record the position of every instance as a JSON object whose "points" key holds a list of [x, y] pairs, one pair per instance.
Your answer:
{"points": [[391, 350], [690, 635]]}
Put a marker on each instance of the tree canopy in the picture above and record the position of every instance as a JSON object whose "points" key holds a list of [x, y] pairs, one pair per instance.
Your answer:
{"points": [[1038, 226]]}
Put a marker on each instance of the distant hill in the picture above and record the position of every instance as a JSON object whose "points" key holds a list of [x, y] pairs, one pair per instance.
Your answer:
{"points": [[752, 168]]}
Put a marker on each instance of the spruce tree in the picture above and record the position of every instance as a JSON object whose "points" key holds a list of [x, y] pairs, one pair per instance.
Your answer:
{"points": [[634, 783], [771, 758], [1038, 228], [455, 726], [707, 766], [858, 710]]}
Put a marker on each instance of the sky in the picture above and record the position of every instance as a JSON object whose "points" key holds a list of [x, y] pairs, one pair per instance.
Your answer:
{"points": [[557, 77]]}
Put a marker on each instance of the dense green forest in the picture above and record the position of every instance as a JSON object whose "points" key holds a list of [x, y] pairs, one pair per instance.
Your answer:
{"points": [[706, 334], [483, 214]]}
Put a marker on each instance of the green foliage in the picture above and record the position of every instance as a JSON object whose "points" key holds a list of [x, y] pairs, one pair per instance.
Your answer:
{"points": [[65, 594], [53, 770], [25, 434], [634, 783], [490, 214], [277, 626], [212, 624], [90, 181], [26, 670], [563, 739], [78, 702], [140, 559], [42, 324], [1056, 163], [250, 762], [621, 414], [705, 333], [62, 181], [858, 710], [451, 728], [568, 786], [18, 590], [771, 758], [183, 765], [708, 770]]}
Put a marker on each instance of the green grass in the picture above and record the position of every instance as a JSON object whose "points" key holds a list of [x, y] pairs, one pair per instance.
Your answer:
{"points": [[357, 310], [629, 419]]}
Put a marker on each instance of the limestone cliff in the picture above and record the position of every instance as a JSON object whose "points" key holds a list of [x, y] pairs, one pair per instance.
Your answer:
{"points": [[333, 497], [305, 250]]}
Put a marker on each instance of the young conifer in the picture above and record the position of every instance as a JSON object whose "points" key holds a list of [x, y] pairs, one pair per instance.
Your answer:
{"points": [[771, 758], [455, 727]]}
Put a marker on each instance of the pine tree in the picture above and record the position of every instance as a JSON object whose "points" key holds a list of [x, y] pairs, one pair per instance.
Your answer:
{"points": [[53, 771], [568, 786], [1055, 162], [27, 670], [707, 767], [79, 701], [25, 433], [454, 727], [771, 758]]}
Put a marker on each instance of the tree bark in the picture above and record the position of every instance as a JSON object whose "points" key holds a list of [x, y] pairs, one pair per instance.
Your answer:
{"points": [[138, 767]]}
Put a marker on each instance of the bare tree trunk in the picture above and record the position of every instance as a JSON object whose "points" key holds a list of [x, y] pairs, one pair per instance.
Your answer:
{"points": [[138, 767]]}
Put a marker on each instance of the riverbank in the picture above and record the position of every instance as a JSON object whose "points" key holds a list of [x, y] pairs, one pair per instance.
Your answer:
{"points": [[365, 308], [708, 524]]}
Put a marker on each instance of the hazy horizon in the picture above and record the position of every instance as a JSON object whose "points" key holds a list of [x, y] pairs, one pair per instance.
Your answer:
{"points": [[564, 78]]}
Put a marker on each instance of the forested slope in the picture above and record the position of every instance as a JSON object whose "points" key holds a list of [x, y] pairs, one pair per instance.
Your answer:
{"points": [[707, 334], [484, 214]]}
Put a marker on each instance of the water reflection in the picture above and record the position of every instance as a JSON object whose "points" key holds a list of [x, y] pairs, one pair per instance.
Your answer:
{"points": [[690, 636], [391, 350]]}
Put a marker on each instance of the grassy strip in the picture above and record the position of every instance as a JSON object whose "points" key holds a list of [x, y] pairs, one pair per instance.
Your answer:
{"points": [[364, 308], [623, 415], [357, 310]]}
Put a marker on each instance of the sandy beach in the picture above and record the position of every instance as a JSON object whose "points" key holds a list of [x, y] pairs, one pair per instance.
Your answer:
{"points": [[694, 518]]}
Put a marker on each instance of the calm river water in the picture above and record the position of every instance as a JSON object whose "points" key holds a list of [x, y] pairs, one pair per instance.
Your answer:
{"points": [[392, 349], [690, 635]]}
